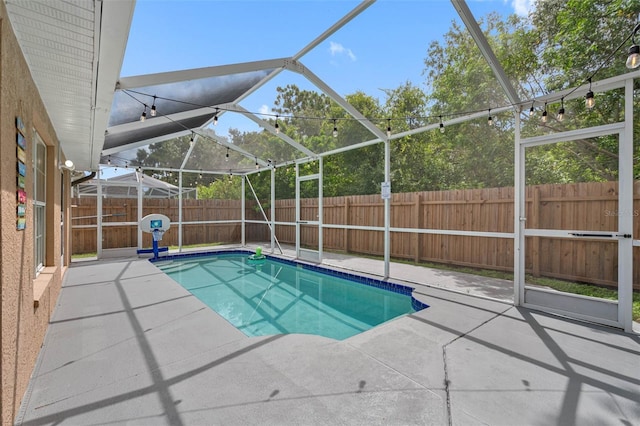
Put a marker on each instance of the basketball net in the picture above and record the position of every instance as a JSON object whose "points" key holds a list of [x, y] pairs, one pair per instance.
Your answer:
{"points": [[157, 234]]}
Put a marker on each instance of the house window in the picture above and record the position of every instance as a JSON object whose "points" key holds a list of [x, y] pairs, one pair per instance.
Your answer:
{"points": [[39, 201]]}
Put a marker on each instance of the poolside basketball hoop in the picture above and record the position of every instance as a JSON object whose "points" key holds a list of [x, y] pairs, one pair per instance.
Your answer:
{"points": [[155, 224]]}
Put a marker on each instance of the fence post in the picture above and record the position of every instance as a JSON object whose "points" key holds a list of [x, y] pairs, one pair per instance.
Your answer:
{"points": [[346, 220], [205, 229], [535, 223], [416, 224]]}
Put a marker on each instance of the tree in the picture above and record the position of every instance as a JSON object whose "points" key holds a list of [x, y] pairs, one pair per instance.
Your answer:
{"points": [[223, 189], [559, 46]]}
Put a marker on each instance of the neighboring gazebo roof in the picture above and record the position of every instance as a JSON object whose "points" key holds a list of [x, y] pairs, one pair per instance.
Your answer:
{"points": [[126, 186]]}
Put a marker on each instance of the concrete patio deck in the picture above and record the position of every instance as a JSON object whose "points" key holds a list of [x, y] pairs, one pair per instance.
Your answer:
{"points": [[127, 345]]}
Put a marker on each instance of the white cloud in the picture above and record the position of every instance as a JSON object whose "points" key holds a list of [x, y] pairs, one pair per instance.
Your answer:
{"points": [[264, 110], [522, 7], [338, 49]]}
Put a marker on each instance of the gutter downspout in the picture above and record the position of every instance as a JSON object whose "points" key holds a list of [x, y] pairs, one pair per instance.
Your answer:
{"points": [[83, 179]]}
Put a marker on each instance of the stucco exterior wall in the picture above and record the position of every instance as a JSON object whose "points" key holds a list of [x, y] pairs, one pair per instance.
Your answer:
{"points": [[27, 300]]}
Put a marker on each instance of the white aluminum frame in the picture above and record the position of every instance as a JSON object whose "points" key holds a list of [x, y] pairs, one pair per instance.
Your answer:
{"points": [[308, 254]]}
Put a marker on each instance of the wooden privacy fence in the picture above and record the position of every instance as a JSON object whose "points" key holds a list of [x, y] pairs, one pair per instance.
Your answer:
{"points": [[117, 234], [580, 206]]}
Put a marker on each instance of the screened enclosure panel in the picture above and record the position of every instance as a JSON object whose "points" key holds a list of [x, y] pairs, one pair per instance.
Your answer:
{"points": [[150, 129], [181, 96]]}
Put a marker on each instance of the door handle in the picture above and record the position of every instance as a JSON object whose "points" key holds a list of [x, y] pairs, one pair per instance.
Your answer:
{"points": [[581, 234]]}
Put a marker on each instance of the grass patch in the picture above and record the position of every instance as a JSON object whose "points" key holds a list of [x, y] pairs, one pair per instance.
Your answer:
{"points": [[83, 255]]}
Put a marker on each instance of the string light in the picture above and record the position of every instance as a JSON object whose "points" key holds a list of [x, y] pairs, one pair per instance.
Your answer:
{"points": [[215, 118], [590, 100], [143, 117], [126, 165], [633, 60], [153, 107], [277, 126], [335, 129], [531, 110], [108, 160], [191, 140], [388, 127], [226, 158], [560, 115], [441, 125], [200, 175], [490, 120], [257, 166], [544, 113]]}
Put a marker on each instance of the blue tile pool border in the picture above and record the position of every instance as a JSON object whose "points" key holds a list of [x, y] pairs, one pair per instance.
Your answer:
{"points": [[373, 282]]}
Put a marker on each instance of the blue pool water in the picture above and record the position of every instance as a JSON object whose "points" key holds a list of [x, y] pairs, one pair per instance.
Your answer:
{"points": [[274, 296]]}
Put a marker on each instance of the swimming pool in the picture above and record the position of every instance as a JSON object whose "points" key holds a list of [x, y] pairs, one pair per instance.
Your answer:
{"points": [[276, 296]]}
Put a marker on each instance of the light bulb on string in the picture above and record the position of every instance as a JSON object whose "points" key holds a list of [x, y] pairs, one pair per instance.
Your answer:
{"points": [[226, 158], [490, 119], [589, 99], [257, 166], [633, 60], [215, 118], [143, 116], [108, 160], [153, 107], [441, 125], [388, 127], [531, 110], [560, 115], [335, 129], [544, 113], [277, 126]]}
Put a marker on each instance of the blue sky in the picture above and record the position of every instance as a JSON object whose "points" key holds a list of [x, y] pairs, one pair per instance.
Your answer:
{"points": [[381, 48]]}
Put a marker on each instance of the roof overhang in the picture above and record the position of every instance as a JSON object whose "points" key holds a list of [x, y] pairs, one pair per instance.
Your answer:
{"points": [[74, 51]]}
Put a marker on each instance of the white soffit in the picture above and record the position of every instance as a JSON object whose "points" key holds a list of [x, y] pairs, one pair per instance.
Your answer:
{"points": [[74, 50]]}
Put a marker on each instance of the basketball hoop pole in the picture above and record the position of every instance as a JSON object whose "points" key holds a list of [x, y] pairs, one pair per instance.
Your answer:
{"points": [[157, 235]]}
